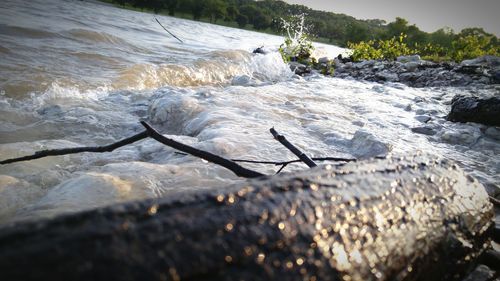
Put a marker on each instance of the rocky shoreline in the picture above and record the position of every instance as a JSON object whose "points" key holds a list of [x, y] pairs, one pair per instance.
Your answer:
{"points": [[415, 72], [480, 73]]}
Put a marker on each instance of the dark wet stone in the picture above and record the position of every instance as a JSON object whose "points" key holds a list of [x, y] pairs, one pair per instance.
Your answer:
{"points": [[299, 69], [327, 222], [424, 130], [481, 273], [474, 109], [491, 258], [260, 50]]}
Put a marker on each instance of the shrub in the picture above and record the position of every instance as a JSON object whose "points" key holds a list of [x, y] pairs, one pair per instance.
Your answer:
{"points": [[296, 49], [472, 46], [462, 48], [382, 49]]}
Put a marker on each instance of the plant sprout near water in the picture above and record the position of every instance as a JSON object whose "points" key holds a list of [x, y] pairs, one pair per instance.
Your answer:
{"points": [[297, 45]]}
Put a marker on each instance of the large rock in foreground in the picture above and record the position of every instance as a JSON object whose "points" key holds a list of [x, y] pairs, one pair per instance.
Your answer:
{"points": [[415, 218], [473, 109]]}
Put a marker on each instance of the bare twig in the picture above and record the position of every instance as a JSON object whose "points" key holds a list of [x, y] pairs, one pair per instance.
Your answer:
{"points": [[302, 156], [280, 163], [64, 151], [210, 157], [168, 31], [283, 164]]}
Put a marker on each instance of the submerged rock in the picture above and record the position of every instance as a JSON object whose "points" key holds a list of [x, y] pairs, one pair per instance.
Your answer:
{"points": [[414, 218], [366, 145], [474, 109], [424, 130]]}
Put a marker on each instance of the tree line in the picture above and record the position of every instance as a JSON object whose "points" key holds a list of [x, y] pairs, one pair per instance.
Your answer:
{"points": [[339, 29]]}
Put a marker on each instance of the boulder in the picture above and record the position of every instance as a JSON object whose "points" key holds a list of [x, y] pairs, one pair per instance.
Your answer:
{"points": [[299, 69], [473, 109], [366, 145], [323, 60], [260, 50], [402, 218]]}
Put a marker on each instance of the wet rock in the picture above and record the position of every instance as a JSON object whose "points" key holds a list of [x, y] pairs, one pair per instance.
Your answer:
{"points": [[365, 145], [323, 60], [474, 109], [423, 118], [465, 136], [411, 66], [387, 76], [489, 60], [481, 273], [414, 72], [412, 58], [241, 80], [299, 69], [493, 132], [51, 111], [491, 258], [260, 50], [424, 131], [279, 228]]}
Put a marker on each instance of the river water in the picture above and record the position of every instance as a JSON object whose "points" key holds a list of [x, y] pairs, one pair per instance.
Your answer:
{"points": [[76, 73]]}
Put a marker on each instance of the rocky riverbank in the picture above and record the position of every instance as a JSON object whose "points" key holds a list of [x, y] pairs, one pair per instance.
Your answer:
{"points": [[410, 70], [484, 110], [415, 72]]}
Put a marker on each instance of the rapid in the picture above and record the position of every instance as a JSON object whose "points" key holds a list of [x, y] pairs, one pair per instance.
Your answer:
{"points": [[77, 73]]}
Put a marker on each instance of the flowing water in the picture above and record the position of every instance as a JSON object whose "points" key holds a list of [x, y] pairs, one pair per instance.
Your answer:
{"points": [[76, 73]]}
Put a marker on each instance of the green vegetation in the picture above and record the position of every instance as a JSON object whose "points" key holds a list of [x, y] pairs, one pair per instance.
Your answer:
{"points": [[463, 46], [297, 46], [368, 38]]}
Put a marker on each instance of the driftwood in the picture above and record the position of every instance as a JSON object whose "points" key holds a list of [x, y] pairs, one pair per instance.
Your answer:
{"points": [[302, 156], [414, 218]]}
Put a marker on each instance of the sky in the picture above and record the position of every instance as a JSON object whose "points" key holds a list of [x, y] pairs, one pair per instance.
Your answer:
{"points": [[428, 15]]}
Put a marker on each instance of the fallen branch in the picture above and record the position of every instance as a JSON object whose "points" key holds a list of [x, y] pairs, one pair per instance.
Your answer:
{"points": [[230, 164], [210, 157], [302, 156], [168, 31], [65, 151], [283, 164]]}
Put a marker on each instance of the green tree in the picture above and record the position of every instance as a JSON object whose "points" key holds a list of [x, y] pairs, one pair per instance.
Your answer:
{"points": [[215, 9], [242, 20], [442, 37], [231, 13], [171, 6], [261, 21], [357, 32], [395, 28]]}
